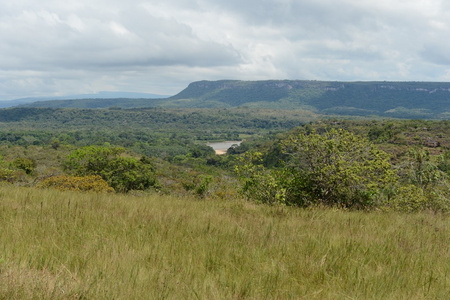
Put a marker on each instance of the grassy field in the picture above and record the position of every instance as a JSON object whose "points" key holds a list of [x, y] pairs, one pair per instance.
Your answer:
{"points": [[63, 245]]}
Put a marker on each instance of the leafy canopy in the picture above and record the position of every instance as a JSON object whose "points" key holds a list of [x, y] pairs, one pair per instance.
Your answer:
{"points": [[333, 168], [122, 173]]}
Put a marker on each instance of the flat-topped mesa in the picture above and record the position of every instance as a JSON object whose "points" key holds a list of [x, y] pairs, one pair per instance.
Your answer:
{"points": [[397, 99], [413, 100]]}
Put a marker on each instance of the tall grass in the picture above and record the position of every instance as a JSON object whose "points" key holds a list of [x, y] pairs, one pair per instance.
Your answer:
{"points": [[63, 245]]}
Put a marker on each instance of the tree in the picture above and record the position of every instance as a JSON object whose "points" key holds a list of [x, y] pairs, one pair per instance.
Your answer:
{"points": [[55, 144], [259, 183], [424, 172], [337, 168], [444, 162], [333, 168], [426, 182], [25, 164], [121, 173], [91, 160], [128, 173]]}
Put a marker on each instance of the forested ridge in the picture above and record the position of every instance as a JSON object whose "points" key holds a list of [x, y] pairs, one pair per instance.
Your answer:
{"points": [[153, 118]]}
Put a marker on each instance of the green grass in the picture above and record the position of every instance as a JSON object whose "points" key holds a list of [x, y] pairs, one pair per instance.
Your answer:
{"points": [[62, 245]]}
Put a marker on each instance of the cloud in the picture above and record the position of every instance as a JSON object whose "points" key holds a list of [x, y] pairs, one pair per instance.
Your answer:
{"points": [[436, 54], [54, 47], [45, 39]]}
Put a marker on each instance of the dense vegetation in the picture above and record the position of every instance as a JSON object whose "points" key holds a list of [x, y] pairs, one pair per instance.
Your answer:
{"points": [[353, 163], [335, 167], [388, 99], [153, 132]]}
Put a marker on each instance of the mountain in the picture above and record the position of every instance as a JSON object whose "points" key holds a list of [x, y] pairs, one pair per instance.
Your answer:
{"points": [[393, 99], [388, 99]]}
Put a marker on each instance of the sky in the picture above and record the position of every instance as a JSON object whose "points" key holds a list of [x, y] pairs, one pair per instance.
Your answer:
{"points": [[55, 48]]}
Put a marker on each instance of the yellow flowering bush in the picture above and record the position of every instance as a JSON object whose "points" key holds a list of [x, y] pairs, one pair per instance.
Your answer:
{"points": [[93, 183]]}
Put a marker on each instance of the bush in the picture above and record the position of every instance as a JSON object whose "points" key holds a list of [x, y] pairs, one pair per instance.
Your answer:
{"points": [[408, 198], [335, 168], [127, 173], [259, 183], [412, 198], [92, 183], [7, 175], [91, 160], [25, 164], [338, 168], [122, 173], [203, 186]]}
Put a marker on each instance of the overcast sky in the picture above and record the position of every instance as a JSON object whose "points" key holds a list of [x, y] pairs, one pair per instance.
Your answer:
{"points": [[55, 47]]}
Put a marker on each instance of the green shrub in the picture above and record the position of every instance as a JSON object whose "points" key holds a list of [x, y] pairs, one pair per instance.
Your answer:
{"points": [[203, 186], [127, 173], [259, 183], [25, 164], [122, 173], [412, 198], [7, 175], [91, 160], [408, 198], [336, 168]]}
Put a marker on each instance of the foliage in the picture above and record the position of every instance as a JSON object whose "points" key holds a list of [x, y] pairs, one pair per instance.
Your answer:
{"points": [[25, 164], [91, 160], [335, 168], [198, 184], [228, 123], [444, 162], [202, 188], [55, 143], [7, 175], [408, 198], [426, 188], [128, 173], [338, 168], [92, 183], [259, 183], [424, 173], [158, 132], [122, 173], [381, 133], [175, 139], [201, 151]]}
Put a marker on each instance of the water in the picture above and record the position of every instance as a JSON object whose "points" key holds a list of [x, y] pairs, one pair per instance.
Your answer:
{"points": [[222, 147]]}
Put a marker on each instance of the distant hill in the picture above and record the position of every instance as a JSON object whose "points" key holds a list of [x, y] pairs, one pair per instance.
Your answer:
{"points": [[388, 99], [97, 103], [49, 101]]}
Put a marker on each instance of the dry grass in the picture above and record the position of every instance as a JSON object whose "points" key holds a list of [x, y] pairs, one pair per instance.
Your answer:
{"points": [[63, 245]]}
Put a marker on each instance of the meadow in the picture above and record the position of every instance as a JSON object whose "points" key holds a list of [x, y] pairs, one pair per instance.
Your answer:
{"points": [[72, 245]]}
